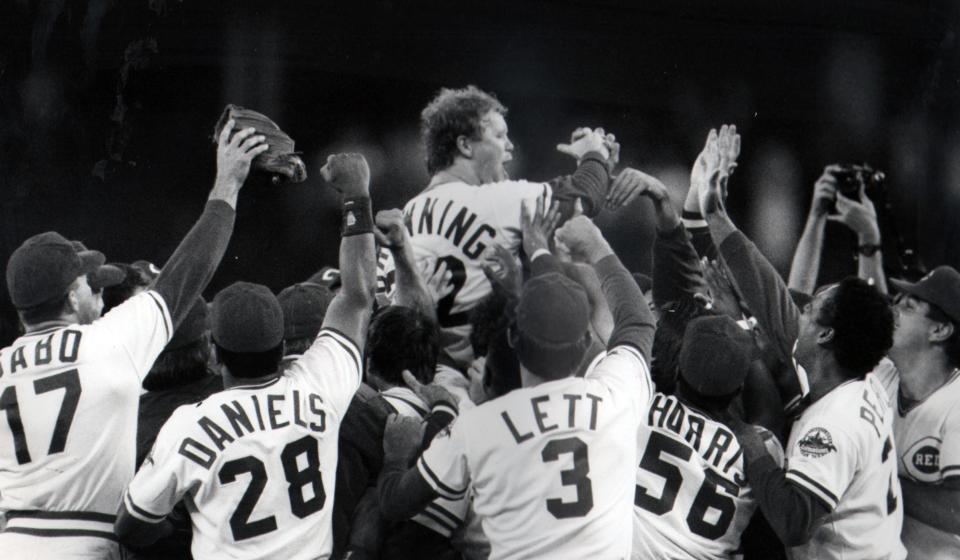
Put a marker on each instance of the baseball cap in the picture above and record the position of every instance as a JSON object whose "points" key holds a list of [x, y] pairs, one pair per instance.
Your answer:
{"points": [[715, 355], [940, 287], [103, 276], [44, 266], [193, 326], [246, 317], [328, 277], [304, 306], [553, 309]]}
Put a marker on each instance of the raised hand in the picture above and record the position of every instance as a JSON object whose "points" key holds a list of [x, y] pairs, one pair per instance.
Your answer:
{"points": [[707, 172], [432, 394], [582, 238], [610, 141], [728, 144], [390, 231], [538, 226], [825, 191], [401, 437], [348, 173], [234, 154], [630, 184], [439, 281], [860, 216], [500, 268], [584, 140]]}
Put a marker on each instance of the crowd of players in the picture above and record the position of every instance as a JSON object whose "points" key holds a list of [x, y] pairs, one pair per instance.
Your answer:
{"points": [[481, 377]]}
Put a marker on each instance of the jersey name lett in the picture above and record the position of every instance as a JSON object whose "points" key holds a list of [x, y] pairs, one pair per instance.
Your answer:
{"points": [[723, 449], [539, 420], [251, 414], [62, 346], [451, 221]]}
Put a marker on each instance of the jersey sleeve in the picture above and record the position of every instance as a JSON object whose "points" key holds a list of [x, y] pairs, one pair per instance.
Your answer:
{"points": [[142, 326], [823, 461], [444, 464], [624, 370], [163, 479], [950, 446], [333, 366]]}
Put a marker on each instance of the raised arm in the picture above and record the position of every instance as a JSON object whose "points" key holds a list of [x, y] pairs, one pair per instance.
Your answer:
{"points": [[633, 322], [190, 268], [591, 180], [806, 259], [759, 283], [411, 288], [861, 217], [349, 312]]}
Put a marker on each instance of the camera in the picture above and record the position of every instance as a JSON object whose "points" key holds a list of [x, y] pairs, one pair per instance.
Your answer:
{"points": [[851, 176]]}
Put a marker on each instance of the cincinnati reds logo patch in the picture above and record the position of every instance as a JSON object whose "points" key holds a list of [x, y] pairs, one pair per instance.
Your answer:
{"points": [[816, 443], [922, 460]]}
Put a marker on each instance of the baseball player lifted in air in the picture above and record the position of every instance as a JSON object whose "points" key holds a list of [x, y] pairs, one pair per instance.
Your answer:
{"points": [[926, 396], [693, 499], [69, 387], [839, 496], [470, 203], [551, 464], [256, 462]]}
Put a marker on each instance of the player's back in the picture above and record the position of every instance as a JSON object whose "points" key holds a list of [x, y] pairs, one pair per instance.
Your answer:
{"points": [[256, 464], [692, 498], [842, 451], [68, 397], [551, 466], [453, 223]]}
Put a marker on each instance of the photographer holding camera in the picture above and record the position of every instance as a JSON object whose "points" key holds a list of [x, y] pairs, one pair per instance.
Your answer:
{"points": [[841, 188]]}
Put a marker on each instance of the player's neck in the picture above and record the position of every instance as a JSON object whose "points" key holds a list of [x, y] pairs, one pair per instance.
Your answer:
{"points": [[530, 379], [829, 376], [460, 171], [61, 321], [229, 381], [924, 374]]}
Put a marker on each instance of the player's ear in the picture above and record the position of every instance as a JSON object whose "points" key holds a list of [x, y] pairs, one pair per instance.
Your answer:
{"points": [[73, 296], [513, 337], [941, 331], [825, 336], [464, 146]]}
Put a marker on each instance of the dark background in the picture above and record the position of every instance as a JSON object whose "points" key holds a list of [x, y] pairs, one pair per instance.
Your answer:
{"points": [[107, 110]]}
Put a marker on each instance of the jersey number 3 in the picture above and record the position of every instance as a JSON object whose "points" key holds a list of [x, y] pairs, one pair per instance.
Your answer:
{"points": [[69, 381], [576, 477], [298, 479]]}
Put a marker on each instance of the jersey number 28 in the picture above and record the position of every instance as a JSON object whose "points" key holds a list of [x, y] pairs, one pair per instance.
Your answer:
{"points": [[297, 480]]}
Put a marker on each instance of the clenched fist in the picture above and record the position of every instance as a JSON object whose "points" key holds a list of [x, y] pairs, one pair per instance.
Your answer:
{"points": [[401, 438], [348, 173], [390, 232], [583, 240]]}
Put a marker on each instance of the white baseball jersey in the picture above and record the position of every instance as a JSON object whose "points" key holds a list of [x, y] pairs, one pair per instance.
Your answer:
{"points": [[256, 464], [841, 450], [551, 466], [68, 421], [453, 223], [927, 436], [692, 498]]}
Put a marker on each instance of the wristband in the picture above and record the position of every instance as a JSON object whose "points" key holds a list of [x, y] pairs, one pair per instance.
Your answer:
{"points": [[868, 249], [357, 216]]}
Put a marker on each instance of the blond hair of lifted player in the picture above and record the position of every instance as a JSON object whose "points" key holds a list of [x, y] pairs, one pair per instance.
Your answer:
{"points": [[838, 497], [551, 464], [925, 389], [256, 462], [65, 457]]}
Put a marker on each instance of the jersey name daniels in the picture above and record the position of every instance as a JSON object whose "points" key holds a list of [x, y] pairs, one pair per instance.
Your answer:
{"points": [[45, 351], [252, 414], [451, 221]]}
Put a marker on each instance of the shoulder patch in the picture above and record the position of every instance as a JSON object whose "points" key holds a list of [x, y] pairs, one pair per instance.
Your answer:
{"points": [[816, 443]]}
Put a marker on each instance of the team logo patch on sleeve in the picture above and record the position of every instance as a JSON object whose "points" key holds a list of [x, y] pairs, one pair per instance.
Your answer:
{"points": [[922, 460], [816, 443]]}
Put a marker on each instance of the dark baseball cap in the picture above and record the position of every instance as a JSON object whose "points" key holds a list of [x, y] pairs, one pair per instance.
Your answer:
{"points": [[553, 309], [304, 306], [940, 287], [193, 326], [715, 355], [44, 267], [246, 318], [328, 277]]}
